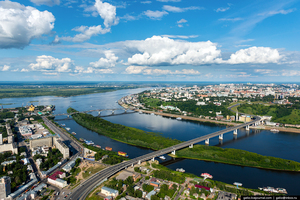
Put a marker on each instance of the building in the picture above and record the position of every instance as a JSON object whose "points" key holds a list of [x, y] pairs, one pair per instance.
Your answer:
{"points": [[148, 196], [1, 139], [5, 189], [62, 147], [109, 192], [31, 108], [69, 166], [53, 179], [25, 131]]}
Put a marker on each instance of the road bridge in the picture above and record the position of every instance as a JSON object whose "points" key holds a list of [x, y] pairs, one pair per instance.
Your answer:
{"points": [[82, 191]]}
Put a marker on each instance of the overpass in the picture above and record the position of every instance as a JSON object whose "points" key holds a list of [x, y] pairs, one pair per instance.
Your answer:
{"points": [[82, 191]]}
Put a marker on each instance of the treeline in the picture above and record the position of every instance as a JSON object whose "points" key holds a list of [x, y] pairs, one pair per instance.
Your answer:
{"points": [[189, 106], [237, 157], [56, 91], [124, 134], [168, 174]]}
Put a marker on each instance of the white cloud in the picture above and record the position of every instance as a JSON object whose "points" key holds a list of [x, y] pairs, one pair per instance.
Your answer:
{"points": [[150, 71], [146, 2], [275, 12], [159, 50], [128, 17], [86, 33], [49, 63], [20, 24], [110, 60], [290, 73], [169, 0], [178, 9], [255, 55], [156, 15], [231, 19], [264, 71], [107, 13], [24, 70], [5, 68], [182, 21], [222, 9], [91, 70], [46, 2], [181, 36]]}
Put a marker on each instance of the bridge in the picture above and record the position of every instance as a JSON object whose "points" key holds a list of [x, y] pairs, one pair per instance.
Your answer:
{"points": [[95, 110], [83, 190]]}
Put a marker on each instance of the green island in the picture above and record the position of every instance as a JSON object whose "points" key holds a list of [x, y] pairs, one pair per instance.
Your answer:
{"points": [[155, 141], [122, 133], [56, 91], [237, 157]]}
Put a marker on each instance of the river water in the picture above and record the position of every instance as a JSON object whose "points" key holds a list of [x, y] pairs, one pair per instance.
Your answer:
{"points": [[283, 145]]}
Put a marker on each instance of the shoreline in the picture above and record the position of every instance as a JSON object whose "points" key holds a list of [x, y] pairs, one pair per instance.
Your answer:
{"points": [[208, 160], [281, 129]]}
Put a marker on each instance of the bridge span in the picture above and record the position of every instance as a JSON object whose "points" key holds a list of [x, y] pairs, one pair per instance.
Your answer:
{"points": [[82, 191]]}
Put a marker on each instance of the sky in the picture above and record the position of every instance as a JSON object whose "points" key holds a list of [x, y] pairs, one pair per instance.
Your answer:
{"points": [[150, 40]]}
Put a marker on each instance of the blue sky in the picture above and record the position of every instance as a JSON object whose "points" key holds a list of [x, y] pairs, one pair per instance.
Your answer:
{"points": [[150, 40]]}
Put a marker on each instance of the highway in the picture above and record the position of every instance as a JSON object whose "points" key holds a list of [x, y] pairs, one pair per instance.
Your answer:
{"points": [[82, 191]]}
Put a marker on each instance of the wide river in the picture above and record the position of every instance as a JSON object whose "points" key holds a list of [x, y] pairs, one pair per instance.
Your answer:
{"points": [[283, 145]]}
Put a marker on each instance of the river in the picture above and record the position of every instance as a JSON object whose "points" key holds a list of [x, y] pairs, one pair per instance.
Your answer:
{"points": [[283, 145]]}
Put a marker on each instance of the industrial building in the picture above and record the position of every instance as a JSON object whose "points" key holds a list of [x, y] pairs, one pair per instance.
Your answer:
{"points": [[109, 192]]}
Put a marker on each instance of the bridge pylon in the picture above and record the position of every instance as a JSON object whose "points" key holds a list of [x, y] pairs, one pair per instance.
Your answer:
{"points": [[191, 146], [173, 152], [207, 141], [153, 159], [221, 137], [235, 132], [248, 128]]}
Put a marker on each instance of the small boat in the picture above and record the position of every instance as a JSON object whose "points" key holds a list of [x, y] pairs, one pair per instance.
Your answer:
{"points": [[140, 112], [206, 175], [81, 139], [73, 133], [89, 142], [68, 128], [98, 146], [120, 153], [274, 130], [63, 125], [178, 118], [108, 148], [152, 114], [237, 184], [162, 157], [180, 170]]}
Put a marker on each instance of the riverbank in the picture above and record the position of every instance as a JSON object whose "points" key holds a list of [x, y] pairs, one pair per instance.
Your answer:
{"points": [[237, 157], [283, 129], [122, 133]]}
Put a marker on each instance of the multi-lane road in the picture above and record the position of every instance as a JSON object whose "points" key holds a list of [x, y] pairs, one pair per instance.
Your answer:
{"points": [[82, 191]]}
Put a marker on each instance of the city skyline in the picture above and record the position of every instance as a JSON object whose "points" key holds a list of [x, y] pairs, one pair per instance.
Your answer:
{"points": [[170, 40]]}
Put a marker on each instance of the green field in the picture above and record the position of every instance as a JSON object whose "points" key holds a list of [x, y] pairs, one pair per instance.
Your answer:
{"points": [[237, 157]]}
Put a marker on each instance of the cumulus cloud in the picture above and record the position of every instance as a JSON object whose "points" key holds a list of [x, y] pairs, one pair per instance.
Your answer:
{"points": [[86, 33], [290, 73], [24, 70], [149, 71], [46, 2], [5, 68], [107, 12], [110, 60], [20, 24], [181, 36], [159, 50], [156, 15], [182, 21], [49, 63], [178, 9], [264, 71], [255, 55]]}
